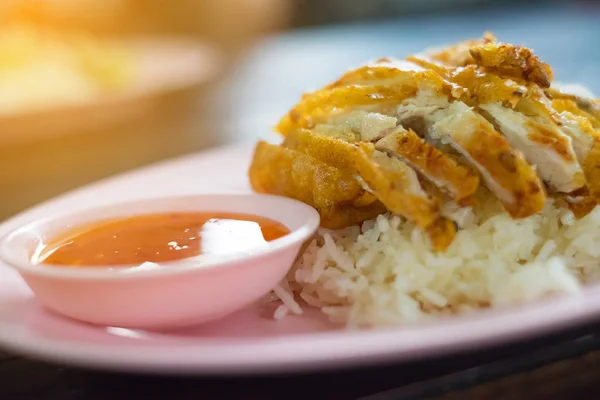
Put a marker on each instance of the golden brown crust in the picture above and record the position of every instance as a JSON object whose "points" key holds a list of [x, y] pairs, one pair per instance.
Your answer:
{"points": [[591, 168], [334, 163], [285, 172], [514, 61], [511, 171], [455, 179], [504, 169], [588, 109], [503, 59], [560, 144], [395, 185], [356, 161], [324, 102], [589, 125]]}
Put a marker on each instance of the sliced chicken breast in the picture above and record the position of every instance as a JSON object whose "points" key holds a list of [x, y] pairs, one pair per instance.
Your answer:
{"points": [[337, 196], [393, 182], [543, 145], [581, 132], [504, 170], [367, 126], [510, 60], [413, 137], [317, 107], [454, 179]]}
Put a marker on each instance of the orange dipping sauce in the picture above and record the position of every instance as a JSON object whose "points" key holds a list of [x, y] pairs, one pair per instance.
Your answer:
{"points": [[159, 238]]}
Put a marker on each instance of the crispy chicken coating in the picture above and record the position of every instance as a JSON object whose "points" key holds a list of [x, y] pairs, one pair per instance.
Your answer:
{"points": [[316, 107], [408, 136], [335, 194], [393, 182], [514, 61], [503, 59], [504, 170], [444, 171], [543, 145]]}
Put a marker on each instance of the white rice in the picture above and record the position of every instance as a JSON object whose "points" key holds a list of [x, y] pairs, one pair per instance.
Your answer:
{"points": [[383, 272]]}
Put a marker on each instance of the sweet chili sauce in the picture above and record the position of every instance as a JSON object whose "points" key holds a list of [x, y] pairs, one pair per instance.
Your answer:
{"points": [[158, 238]]}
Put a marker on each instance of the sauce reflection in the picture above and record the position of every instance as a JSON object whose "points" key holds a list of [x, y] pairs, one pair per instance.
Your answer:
{"points": [[159, 238]]}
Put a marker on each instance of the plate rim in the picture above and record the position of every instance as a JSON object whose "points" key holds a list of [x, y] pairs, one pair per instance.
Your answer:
{"points": [[284, 354]]}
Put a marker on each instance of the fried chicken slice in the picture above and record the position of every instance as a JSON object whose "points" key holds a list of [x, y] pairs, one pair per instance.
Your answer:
{"points": [[571, 106], [504, 170], [454, 179], [577, 105], [585, 136], [503, 59], [377, 86], [543, 145], [519, 189], [336, 195], [315, 108], [393, 182], [391, 71], [365, 126], [475, 86], [584, 131], [581, 131], [513, 61], [408, 136], [532, 127]]}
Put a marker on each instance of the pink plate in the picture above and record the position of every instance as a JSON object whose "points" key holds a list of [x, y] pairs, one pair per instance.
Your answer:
{"points": [[249, 341]]}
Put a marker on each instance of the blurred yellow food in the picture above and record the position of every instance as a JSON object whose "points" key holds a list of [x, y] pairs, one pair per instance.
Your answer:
{"points": [[91, 88], [232, 25], [40, 67], [48, 149]]}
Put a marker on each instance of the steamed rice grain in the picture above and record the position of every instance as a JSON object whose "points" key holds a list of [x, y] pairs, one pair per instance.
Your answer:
{"points": [[383, 273]]}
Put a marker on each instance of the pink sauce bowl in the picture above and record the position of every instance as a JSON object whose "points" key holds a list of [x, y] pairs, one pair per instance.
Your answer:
{"points": [[155, 296]]}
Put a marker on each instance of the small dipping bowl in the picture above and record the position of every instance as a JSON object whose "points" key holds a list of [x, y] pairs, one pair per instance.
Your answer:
{"points": [[162, 296]]}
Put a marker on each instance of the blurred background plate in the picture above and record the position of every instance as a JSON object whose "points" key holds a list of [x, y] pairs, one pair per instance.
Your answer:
{"points": [[45, 151], [162, 66], [178, 54]]}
